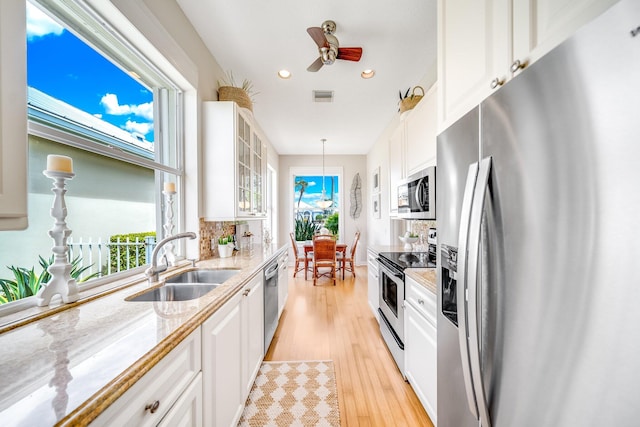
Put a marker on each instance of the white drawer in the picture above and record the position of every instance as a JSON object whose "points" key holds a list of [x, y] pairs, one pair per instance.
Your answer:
{"points": [[163, 384], [422, 299]]}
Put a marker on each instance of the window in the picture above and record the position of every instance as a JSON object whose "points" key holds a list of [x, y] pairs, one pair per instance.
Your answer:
{"points": [[119, 122], [308, 192]]}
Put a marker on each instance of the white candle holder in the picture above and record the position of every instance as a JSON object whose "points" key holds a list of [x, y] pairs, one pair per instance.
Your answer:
{"points": [[61, 282], [168, 227]]}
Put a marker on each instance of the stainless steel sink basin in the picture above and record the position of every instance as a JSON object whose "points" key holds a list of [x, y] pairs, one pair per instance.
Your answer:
{"points": [[181, 292], [203, 276]]}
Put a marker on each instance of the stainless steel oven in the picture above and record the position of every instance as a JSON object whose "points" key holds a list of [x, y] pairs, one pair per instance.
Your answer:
{"points": [[391, 285]]}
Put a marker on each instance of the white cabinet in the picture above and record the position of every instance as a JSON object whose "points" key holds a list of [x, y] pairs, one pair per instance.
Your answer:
{"points": [[234, 167], [421, 129], [13, 116], [252, 308], [283, 281], [222, 365], [484, 43], [372, 283], [232, 351], [171, 388], [412, 146], [187, 410], [421, 344]]}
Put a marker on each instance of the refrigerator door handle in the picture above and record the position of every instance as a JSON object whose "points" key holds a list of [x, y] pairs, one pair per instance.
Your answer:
{"points": [[461, 292], [475, 223]]}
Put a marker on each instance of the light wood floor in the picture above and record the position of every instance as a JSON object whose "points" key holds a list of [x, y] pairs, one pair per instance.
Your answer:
{"points": [[329, 322]]}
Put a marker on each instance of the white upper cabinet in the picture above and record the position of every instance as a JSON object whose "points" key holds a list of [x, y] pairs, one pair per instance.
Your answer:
{"points": [[234, 169], [14, 146], [421, 132], [412, 145], [484, 43]]}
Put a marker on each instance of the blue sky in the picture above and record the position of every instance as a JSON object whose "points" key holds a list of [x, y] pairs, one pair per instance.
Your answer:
{"points": [[313, 192], [61, 65]]}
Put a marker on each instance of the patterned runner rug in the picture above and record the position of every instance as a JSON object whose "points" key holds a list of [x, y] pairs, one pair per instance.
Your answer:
{"points": [[293, 394]]}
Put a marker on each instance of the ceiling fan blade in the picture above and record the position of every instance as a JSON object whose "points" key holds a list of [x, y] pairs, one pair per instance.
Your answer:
{"points": [[317, 64], [350, 53], [317, 35]]}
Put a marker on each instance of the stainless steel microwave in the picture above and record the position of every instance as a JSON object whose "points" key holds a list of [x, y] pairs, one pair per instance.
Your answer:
{"points": [[417, 195]]}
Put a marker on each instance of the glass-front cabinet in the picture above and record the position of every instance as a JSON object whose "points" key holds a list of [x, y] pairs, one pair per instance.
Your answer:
{"points": [[233, 149]]}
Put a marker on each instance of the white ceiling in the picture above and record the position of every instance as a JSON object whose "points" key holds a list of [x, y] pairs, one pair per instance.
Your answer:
{"points": [[256, 38]]}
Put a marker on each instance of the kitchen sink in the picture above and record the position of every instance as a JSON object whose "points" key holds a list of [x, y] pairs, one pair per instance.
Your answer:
{"points": [[190, 284], [180, 292], [213, 276]]}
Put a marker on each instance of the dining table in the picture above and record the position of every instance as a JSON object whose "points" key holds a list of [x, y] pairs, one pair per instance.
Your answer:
{"points": [[308, 247]]}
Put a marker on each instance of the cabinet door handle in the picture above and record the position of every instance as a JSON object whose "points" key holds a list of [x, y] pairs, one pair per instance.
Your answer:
{"points": [[246, 292], [496, 82], [152, 407], [517, 65], [420, 301]]}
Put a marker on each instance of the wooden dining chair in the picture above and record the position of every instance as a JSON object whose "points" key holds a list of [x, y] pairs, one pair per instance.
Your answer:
{"points": [[324, 256], [344, 259], [300, 258]]}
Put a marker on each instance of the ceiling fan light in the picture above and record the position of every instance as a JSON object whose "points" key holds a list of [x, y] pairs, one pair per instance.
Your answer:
{"points": [[367, 74], [284, 74]]}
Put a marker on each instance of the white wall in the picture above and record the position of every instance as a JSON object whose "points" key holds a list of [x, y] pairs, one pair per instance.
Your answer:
{"points": [[350, 166], [379, 229], [165, 26]]}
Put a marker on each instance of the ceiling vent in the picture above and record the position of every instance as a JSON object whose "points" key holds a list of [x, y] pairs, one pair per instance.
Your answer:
{"points": [[322, 96]]}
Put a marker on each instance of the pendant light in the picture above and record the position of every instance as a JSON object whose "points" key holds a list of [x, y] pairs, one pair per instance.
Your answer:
{"points": [[323, 203]]}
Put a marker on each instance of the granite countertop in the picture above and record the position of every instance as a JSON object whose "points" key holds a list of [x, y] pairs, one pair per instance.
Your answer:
{"points": [[424, 276], [67, 367]]}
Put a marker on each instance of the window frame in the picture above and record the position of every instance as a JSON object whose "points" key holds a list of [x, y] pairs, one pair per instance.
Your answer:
{"points": [[168, 121]]}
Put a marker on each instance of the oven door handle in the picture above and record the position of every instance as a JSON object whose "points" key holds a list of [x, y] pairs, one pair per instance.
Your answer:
{"points": [[389, 271], [461, 297]]}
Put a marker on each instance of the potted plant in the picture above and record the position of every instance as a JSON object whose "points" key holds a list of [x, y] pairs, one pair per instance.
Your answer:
{"points": [[225, 246], [242, 95]]}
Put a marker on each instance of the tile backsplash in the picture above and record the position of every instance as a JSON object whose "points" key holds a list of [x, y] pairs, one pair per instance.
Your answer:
{"points": [[212, 230]]}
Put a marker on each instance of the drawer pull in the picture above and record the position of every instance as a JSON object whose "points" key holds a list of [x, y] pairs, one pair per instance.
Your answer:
{"points": [[421, 301], [153, 407]]}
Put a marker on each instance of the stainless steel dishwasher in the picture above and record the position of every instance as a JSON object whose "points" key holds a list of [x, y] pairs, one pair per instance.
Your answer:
{"points": [[270, 302]]}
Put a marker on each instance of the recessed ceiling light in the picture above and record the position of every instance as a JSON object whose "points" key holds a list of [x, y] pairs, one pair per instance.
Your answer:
{"points": [[367, 74], [284, 74]]}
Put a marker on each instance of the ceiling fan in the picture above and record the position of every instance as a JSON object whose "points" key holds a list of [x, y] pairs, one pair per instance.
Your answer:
{"points": [[328, 46]]}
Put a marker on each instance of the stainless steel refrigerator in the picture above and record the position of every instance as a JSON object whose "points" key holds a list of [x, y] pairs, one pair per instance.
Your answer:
{"points": [[539, 241]]}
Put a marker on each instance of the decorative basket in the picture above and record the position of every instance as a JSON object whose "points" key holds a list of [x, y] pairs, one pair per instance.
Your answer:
{"points": [[236, 94], [408, 103]]}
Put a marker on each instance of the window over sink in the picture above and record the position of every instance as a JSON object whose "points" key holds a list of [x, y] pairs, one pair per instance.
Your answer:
{"points": [[95, 98]]}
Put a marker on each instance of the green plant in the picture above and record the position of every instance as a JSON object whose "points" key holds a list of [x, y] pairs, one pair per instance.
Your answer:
{"points": [[332, 223], [27, 283], [134, 252], [305, 229], [223, 240]]}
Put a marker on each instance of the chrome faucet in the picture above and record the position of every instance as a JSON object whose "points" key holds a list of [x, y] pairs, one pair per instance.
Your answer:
{"points": [[153, 271]]}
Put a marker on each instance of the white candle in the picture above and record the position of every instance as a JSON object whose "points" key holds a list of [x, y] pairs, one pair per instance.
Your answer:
{"points": [[170, 187], [57, 163]]}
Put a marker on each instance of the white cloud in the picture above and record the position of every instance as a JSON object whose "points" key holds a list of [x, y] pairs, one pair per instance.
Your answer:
{"points": [[98, 115], [142, 128], [112, 106], [39, 24]]}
